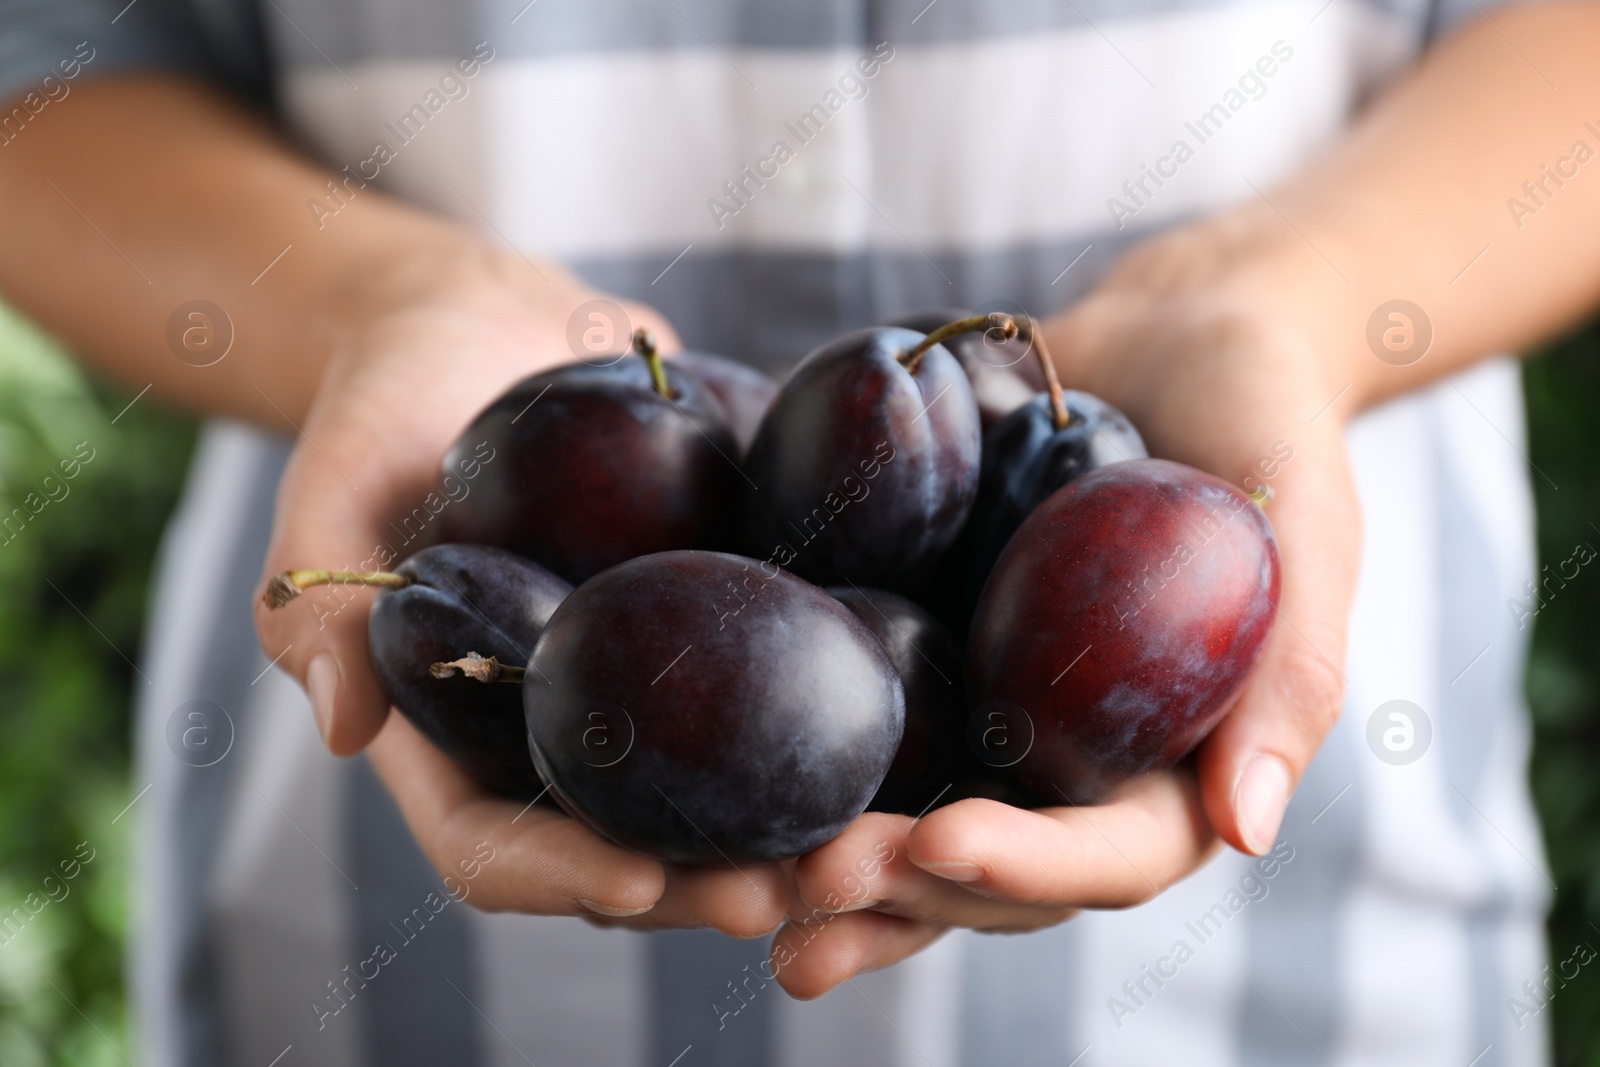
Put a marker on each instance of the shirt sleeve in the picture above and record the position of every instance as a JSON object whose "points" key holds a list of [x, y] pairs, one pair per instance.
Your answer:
{"points": [[46, 46]]}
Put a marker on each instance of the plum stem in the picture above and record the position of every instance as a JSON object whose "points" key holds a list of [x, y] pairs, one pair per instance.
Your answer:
{"points": [[1059, 415], [995, 322], [644, 343], [479, 669], [290, 584]]}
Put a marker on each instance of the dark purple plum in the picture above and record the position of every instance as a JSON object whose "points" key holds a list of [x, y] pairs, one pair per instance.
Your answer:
{"points": [[867, 462], [1055, 437], [591, 465], [707, 709], [1030, 454], [1120, 622], [437, 605], [744, 392], [933, 755], [991, 364]]}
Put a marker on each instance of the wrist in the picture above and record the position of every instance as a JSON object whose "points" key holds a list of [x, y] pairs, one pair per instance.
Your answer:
{"points": [[454, 300], [1249, 266], [446, 274], [478, 317]]}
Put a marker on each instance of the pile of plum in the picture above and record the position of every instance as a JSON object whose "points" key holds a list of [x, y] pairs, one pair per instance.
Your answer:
{"points": [[717, 619]]}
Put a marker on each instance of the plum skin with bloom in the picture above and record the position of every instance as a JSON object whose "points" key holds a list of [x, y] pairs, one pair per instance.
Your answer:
{"points": [[932, 755], [848, 405], [465, 598], [591, 465], [1122, 619], [708, 727]]}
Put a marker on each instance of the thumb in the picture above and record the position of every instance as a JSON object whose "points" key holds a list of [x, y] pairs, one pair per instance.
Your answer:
{"points": [[370, 453], [1252, 762], [320, 636]]}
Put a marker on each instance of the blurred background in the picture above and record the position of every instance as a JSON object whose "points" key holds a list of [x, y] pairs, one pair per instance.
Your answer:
{"points": [[73, 583]]}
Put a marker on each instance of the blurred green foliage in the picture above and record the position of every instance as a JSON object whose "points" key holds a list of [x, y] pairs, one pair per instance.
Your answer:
{"points": [[72, 601], [1563, 389], [73, 582]]}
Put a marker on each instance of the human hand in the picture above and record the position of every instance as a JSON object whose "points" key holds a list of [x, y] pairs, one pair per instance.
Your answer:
{"points": [[1185, 338], [441, 340]]}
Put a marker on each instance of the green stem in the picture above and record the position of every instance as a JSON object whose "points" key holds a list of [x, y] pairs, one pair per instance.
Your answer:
{"points": [[997, 321], [290, 584], [644, 343]]}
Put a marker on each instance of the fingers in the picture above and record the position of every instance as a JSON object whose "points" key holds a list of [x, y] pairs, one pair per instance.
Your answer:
{"points": [[889, 885], [745, 903], [1253, 390], [361, 492], [364, 480], [1252, 761], [990, 866], [369, 451], [1110, 856], [542, 863], [321, 638], [749, 902], [811, 957], [868, 866], [545, 863]]}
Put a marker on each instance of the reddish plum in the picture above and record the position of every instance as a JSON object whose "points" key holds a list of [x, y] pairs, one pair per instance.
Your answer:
{"points": [[1120, 622]]}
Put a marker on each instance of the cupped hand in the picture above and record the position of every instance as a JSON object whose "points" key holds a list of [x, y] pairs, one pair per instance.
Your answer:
{"points": [[503, 855], [1218, 374], [362, 489]]}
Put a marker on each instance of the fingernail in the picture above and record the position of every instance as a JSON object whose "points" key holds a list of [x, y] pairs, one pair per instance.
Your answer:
{"points": [[1260, 800], [606, 909], [322, 685], [955, 872], [859, 905]]}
